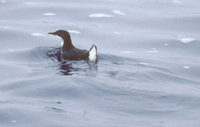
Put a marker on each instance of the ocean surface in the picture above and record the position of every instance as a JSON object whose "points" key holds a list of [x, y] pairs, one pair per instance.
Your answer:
{"points": [[148, 73]]}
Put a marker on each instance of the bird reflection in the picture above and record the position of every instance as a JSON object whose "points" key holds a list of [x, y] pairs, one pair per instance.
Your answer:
{"points": [[66, 67]]}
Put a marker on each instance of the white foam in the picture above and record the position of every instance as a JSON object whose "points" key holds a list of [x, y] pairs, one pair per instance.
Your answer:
{"points": [[13, 121], [37, 34], [3, 100], [186, 67], [99, 25], [6, 27], [29, 3], [100, 15], [11, 50], [142, 63], [126, 52], [74, 31], [166, 44], [49, 14], [118, 12], [3, 1], [118, 33], [186, 40], [176, 1], [154, 50]]}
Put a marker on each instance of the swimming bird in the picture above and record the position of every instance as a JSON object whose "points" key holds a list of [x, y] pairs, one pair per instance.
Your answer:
{"points": [[69, 52]]}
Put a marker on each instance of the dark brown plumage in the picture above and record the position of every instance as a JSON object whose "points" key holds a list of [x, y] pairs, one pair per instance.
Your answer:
{"points": [[69, 52]]}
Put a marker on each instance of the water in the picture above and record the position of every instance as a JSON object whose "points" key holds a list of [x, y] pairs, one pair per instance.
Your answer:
{"points": [[147, 74]]}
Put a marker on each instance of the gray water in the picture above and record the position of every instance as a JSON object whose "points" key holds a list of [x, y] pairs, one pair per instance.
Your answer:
{"points": [[147, 74]]}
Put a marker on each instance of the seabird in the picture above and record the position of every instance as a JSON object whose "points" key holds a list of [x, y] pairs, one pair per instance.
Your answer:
{"points": [[69, 52]]}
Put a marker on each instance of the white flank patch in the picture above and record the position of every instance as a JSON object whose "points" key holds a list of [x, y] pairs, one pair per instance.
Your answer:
{"points": [[186, 40], [100, 15], [37, 34], [49, 14], [74, 31], [93, 53], [118, 12]]}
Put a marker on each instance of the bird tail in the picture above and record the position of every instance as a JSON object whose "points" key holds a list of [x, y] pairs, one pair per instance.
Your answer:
{"points": [[93, 54]]}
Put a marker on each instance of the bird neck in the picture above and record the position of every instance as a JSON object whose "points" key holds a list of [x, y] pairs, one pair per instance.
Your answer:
{"points": [[67, 44]]}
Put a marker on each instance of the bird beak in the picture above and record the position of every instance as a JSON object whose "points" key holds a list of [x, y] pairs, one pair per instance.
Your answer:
{"points": [[52, 33]]}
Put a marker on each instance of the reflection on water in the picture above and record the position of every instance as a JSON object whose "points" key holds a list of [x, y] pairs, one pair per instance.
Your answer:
{"points": [[54, 54], [65, 68]]}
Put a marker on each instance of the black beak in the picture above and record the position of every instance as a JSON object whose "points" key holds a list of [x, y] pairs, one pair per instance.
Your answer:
{"points": [[52, 33]]}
